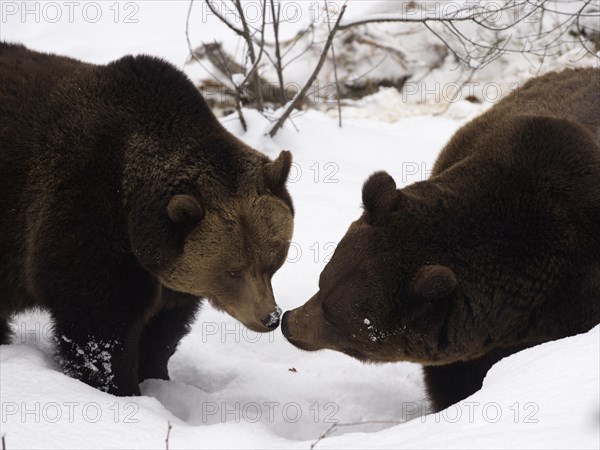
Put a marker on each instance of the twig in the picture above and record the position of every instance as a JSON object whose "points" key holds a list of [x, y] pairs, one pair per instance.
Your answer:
{"points": [[304, 51], [238, 106], [458, 92], [237, 88], [278, 64], [335, 73], [250, 43], [330, 430], [400, 57], [226, 69], [392, 19], [252, 71], [291, 43], [223, 19], [300, 97], [189, 43], [169, 426]]}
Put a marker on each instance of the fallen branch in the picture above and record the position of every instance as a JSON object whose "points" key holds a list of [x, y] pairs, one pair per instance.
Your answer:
{"points": [[169, 426], [330, 430]]}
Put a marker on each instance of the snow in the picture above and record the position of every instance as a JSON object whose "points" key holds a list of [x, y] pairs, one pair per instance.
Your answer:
{"points": [[233, 388]]}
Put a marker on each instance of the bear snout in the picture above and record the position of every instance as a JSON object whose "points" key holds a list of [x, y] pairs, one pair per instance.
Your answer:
{"points": [[272, 320], [303, 326], [297, 335]]}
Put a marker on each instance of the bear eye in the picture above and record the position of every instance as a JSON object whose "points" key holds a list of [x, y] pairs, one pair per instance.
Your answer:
{"points": [[235, 273]]}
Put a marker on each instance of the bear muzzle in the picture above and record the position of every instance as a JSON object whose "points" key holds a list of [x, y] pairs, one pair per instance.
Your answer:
{"points": [[303, 326], [258, 323], [272, 320]]}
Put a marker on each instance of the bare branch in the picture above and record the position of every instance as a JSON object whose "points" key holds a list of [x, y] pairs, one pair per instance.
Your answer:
{"points": [[278, 64], [250, 43], [169, 426], [335, 73], [473, 34], [192, 54], [388, 18], [481, 17], [297, 39], [303, 52], [223, 19], [237, 87], [300, 97], [252, 71]]}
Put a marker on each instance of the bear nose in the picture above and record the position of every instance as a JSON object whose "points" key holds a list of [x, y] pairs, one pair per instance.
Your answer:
{"points": [[284, 324], [272, 320]]}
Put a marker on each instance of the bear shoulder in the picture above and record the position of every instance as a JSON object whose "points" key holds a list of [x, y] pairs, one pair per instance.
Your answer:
{"points": [[572, 95]]}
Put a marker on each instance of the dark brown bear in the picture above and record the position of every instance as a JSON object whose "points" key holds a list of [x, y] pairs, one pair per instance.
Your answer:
{"points": [[122, 202], [498, 251]]}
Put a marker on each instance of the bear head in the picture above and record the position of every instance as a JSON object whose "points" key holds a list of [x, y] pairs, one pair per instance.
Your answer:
{"points": [[221, 238], [207, 215], [233, 249], [384, 296]]}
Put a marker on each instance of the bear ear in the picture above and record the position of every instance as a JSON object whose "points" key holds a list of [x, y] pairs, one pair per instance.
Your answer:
{"points": [[434, 282], [380, 197], [277, 171], [184, 210]]}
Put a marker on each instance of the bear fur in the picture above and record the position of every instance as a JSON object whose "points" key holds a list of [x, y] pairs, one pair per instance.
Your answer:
{"points": [[123, 203], [497, 251]]}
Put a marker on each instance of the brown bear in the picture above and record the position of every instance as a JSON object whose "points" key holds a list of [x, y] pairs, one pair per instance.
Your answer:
{"points": [[123, 202], [497, 251]]}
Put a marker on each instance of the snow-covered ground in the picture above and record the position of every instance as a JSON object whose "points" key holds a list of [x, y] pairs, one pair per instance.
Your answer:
{"points": [[232, 388]]}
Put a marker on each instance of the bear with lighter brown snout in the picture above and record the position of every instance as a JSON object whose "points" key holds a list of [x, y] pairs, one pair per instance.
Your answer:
{"points": [[123, 204]]}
